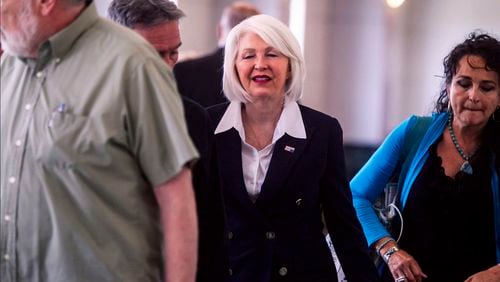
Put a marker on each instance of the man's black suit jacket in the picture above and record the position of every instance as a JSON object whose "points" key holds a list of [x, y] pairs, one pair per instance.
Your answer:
{"points": [[201, 79], [280, 236], [212, 253]]}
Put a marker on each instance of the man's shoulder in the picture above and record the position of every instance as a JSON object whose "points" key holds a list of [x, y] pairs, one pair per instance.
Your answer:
{"points": [[313, 116], [111, 38], [193, 108], [217, 111], [200, 63]]}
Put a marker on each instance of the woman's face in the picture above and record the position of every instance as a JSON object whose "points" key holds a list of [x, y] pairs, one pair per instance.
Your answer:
{"points": [[474, 92], [262, 70]]}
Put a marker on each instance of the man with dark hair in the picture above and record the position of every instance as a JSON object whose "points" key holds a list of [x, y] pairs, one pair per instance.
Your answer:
{"points": [[201, 79], [158, 22], [95, 160]]}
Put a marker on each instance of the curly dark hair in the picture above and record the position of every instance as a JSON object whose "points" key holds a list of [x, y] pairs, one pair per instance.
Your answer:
{"points": [[477, 43]]}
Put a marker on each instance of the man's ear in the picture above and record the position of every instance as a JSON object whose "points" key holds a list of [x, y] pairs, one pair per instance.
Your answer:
{"points": [[45, 7]]}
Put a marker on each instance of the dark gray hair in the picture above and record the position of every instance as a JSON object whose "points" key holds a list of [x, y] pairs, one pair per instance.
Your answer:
{"points": [[76, 2], [131, 13]]}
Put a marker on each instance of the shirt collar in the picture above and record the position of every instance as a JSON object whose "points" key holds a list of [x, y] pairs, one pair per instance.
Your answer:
{"points": [[290, 121], [62, 41], [231, 119]]}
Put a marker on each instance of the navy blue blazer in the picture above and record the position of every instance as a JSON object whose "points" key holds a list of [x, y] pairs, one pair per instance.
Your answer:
{"points": [[280, 236]]}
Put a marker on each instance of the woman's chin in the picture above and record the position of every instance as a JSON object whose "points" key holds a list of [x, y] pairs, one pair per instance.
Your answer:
{"points": [[474, 118]]}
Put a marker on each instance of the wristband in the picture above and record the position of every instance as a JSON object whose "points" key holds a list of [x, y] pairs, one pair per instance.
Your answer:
{"points": [[389, 253], [383, 245]]}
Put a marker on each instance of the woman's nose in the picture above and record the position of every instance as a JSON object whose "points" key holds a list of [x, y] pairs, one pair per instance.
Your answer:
{"points": [[260, 63], [474, 94]]}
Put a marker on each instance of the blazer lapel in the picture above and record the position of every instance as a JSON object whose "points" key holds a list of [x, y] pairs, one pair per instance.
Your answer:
{"points": [[231, 171], [286, 152]]}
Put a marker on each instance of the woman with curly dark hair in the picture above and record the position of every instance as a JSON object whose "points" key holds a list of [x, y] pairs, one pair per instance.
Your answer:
{"points": [[447, 167]]}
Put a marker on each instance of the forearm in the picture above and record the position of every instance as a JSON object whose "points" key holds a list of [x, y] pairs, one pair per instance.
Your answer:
{"points": [[491, 274], [180, 231], [369, 183]]}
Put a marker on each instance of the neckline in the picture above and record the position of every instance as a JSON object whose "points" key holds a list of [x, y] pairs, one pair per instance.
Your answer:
{"points": [[466, 166]]}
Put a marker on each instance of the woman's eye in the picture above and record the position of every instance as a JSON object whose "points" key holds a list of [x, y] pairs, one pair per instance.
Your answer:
{"points": [[248, 56], [464, 83], [272, 55], [487, 88]]}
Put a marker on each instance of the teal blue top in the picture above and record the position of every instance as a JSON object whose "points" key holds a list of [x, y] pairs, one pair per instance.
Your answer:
{"points": [[370, 181]]}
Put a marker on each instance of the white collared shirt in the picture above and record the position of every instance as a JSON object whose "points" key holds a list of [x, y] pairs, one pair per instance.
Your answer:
{"points": [[255, 163]]}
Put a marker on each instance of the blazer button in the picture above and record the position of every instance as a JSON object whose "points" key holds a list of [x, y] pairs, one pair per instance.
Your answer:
{"points": [[230, 235], [283, 271], [298, 202], [230, 271], [270, 235]]}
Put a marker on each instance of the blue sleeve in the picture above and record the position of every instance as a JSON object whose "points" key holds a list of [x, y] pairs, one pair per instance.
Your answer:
{"points": [[370, 181]]}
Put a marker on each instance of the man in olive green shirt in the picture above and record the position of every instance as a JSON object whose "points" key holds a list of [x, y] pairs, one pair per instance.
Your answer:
{"points": [[94, 152], [157, 21]]}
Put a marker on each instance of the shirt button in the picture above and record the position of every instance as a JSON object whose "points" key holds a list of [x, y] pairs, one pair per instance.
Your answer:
{"points": [[18, 142], [12, 180], [27, 107], [230, 235], [298, 202], [230, 271], [7, 218], [58, 60], [6, 257], [270, 235], [283, 271], [39, 74]]}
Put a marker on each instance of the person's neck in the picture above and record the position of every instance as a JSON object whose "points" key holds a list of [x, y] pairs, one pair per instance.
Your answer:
{"points": [[468, 137], [263, 113], [260, 123], [52, 23]]}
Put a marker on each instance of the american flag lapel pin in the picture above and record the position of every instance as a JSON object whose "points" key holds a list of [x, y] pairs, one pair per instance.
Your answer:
{"points": [[289, 149]]}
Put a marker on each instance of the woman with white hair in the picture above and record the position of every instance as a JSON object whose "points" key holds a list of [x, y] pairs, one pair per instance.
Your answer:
{"points": [[282, 166]]}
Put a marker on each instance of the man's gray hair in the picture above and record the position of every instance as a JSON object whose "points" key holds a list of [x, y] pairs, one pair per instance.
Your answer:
{"points": [[131, 13], [277, 35], [77, 2]]}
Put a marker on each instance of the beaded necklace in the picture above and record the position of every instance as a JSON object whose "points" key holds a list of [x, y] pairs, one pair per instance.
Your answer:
{"points": [[466, 167]]}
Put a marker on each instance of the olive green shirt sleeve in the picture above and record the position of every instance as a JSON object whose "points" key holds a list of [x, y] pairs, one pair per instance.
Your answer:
{"points": [[157, 130]]}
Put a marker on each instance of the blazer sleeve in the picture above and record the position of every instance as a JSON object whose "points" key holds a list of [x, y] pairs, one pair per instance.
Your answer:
{"points": [[370, 181], [340, 216]]}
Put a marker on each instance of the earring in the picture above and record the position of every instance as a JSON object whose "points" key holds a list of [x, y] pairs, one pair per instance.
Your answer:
{"points": [[495, 119], [449, 107]]}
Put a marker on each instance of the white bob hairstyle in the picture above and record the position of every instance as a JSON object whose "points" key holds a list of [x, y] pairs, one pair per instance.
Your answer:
{"points": [[275, 34]]}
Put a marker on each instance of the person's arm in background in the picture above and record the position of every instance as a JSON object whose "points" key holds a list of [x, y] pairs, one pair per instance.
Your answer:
{"points": [[492, 274], [180, 229], [158, 138]]}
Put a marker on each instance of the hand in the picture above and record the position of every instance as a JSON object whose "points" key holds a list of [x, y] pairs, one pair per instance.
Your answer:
{"points": [[401, 264], [490, 275]]}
